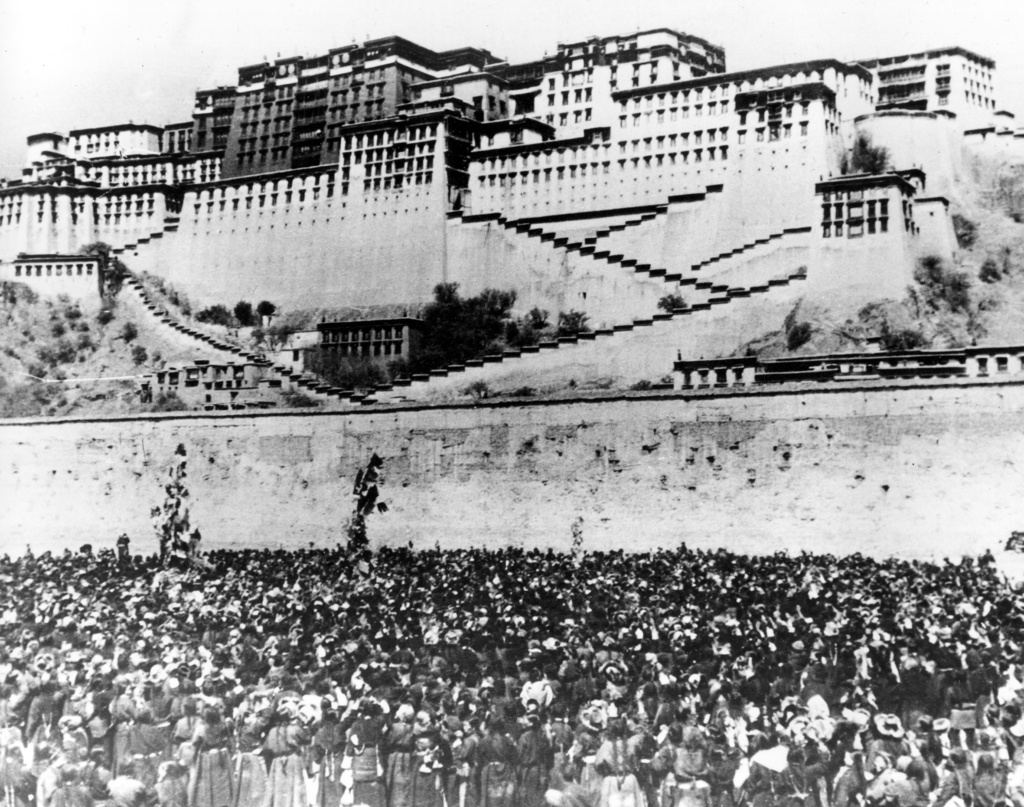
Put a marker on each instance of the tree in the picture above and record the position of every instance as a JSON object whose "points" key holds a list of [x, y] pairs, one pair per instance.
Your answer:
{"points": [[366, 499], [457, 329], [867, 158], [266, 309], [243, 313], [171, 521]]}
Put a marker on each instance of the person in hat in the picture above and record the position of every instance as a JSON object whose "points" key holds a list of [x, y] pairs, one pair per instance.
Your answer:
{"points": [[283, 746], [957, 780], [889, 738], [212, 781], [146, 744], [399, 747], [534, 761], [498, 758], [362, 752], [127, 791], [464, 740], [254, 718], [618, 767]]}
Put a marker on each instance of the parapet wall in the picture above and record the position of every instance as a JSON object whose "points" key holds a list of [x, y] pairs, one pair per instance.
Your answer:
{"points": [[921, 470]]}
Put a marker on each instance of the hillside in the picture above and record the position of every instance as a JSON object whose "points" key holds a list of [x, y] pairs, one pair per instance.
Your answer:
{"points": [[61, 358], [977, 300]]}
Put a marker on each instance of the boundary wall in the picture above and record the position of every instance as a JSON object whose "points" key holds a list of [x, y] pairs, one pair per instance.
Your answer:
{"points": [[925, 469]]}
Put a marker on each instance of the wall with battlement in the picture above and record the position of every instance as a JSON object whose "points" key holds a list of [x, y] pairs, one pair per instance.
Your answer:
{"points": [[920, 470]]}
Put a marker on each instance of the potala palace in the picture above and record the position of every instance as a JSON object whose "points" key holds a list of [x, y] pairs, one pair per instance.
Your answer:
{"points": [[598, 179]]}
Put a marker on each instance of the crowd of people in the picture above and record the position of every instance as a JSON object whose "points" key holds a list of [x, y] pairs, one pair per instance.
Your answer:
{"points": [[509, 678]]}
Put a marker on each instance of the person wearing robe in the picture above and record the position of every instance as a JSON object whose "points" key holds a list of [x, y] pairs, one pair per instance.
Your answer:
{"points": [[533, 753], [146, 745], [212, 780], [431, 763], [251, 780], [398, 771], [497, 756], [283, 746], [362, 753], [464, 780], [618, 768], [122, 713]]}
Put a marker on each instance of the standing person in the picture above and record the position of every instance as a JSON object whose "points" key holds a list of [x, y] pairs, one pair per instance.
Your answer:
{"points": [[619, 785], [123, 556], [498, 756], [361, 750], [534, 759], [465, 778], [432, 759], [283, 746], [251, 783], [212, 781], [147, 746], [399, 769]]}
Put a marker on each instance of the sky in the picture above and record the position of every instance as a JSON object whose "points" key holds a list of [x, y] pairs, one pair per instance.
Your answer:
{"points": [[69, 64]]}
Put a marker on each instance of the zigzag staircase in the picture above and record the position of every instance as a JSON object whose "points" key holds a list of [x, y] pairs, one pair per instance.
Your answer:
{"points": [[719, 294], [723, 296], [280, 377]]}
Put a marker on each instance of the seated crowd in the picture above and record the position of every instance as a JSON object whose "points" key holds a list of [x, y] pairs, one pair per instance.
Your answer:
{"points": [[509, 678]]}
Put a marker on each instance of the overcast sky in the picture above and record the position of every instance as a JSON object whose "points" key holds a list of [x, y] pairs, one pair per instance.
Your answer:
{"points": [[67, 64]]}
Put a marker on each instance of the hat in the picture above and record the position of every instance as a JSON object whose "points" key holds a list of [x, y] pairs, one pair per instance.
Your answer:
{"points": [[941, 725], [889, 725]]}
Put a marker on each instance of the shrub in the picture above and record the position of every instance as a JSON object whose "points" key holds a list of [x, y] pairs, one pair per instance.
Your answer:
{"points": [[966, 231], [641, 385], [58, 329], [571, 323], [900, 339], [799, 335], [299, 400], [866, 158], [85, 342], [243, 313], [347, 372], [60, 352], [990, 271], [139, 355], [129, 331], [168, 402], [670, 302], [943, 287], [479, 390], [523, 392], [72, 313], [528, 330], [215, 315]]}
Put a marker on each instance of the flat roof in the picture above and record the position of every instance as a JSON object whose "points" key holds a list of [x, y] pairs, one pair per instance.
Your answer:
{"points": [[929, 54], [148, 127], [747, 75]]}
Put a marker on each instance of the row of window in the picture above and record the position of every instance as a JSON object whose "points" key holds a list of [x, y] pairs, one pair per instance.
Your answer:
{"points": [[773, 132], [376, 349], [560, 173], [58, 270]]}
